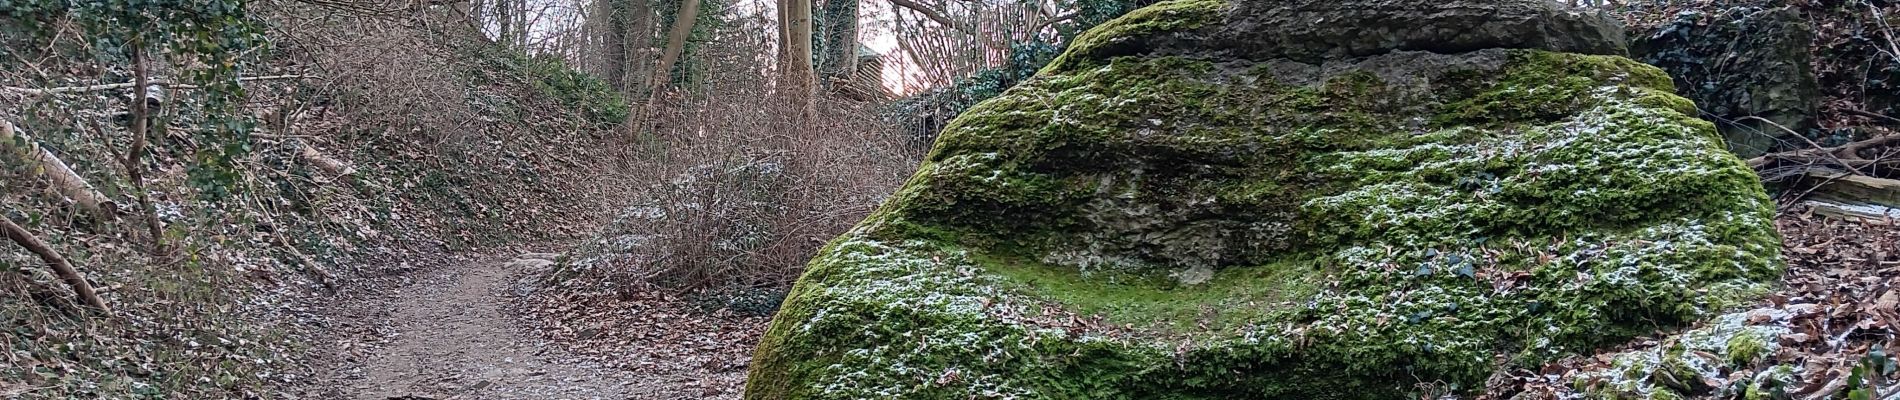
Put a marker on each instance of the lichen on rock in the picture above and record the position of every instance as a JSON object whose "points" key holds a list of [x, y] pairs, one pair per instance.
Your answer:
{"points": [[1157, 216]]}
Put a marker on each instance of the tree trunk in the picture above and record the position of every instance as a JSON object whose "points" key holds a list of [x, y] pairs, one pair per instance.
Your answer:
{"points": [[522, 28], [675, 43], [141, 123], [661, 78], [841, 43], [796, 76], [608, 25], [504, 22], [782, 48], [60, 266], [637, 43], [64, 180]]}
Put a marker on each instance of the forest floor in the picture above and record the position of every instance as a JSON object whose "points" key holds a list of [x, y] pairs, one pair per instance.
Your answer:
{"points": [[488, 327], [452, 333]]}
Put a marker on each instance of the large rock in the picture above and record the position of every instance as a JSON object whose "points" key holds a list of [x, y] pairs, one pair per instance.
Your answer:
{"points": [[1165, 213], [1747, 67]]}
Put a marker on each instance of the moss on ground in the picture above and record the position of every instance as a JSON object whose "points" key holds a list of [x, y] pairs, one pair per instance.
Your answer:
{"points": [[1180, 228]]}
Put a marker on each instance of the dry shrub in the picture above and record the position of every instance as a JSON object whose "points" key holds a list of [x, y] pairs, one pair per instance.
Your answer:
{"points": [[735, 202], [735, 195]]}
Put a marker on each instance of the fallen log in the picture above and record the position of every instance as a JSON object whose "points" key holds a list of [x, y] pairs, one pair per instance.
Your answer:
{"points": [[332, 166], [66, 182], [1858, 197], [1866, 213], [1849, 188], [60, 266]]}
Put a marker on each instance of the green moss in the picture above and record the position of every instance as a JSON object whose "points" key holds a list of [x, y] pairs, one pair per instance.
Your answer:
{"points": [[1746, 349], [1543, 86], [1113, 38], [1356, 232], [1160, 304], [1772, 383]]}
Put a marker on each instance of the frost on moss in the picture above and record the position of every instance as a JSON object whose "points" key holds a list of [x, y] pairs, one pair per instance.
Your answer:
{"points": [[1166, 227], [1686, 364]]}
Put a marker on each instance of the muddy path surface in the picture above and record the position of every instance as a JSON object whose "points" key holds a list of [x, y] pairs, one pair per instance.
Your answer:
{"points": [[450, 334]]}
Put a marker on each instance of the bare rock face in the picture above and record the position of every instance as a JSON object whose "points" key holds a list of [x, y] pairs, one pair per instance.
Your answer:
{"points": [[1294, 199], [1310, 30], [1740, 63], [1315, 30]]}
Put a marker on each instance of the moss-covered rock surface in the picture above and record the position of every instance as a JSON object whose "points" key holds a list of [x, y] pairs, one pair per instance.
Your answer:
{"points": [[1159, 216]]}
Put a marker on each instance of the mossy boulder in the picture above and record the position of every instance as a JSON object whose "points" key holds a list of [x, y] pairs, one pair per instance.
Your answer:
{"points": [[1196, 221]]}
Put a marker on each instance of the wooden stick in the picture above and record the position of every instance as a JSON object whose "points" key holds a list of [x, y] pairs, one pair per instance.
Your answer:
{"points": [[60, 266], [64, 180]]}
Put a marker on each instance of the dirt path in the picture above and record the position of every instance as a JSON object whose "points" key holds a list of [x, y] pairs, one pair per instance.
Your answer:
{"points": [[448, 336]]}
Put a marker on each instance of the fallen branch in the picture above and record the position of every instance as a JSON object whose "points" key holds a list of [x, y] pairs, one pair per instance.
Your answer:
{"points": [[322, 276], [64, 180], [1847, 154], [1052, 21], [1856, 189], [60, 266], [128, 85]]}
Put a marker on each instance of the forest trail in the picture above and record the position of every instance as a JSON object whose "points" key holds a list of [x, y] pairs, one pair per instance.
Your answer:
{"points": [[450, 335]]}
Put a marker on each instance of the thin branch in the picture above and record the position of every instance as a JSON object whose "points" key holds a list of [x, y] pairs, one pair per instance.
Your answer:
{"points": [[1052, 21], [128, 85], [1870, 114], [932, 14]]}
